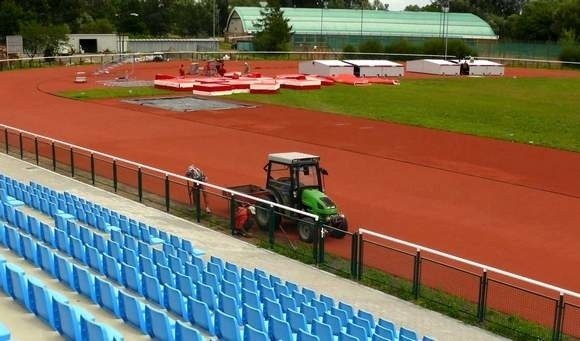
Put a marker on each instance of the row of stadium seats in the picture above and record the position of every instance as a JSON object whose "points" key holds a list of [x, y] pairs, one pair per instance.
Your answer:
{"points": [[4, 332], [169, 273]]}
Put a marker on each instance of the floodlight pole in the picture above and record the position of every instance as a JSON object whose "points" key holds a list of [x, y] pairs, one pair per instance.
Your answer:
{"points": [[446, 24], [362, 7], [213, 19]]}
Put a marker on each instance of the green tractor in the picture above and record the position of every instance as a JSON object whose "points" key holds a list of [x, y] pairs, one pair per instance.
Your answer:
{"points": [[296, 180]]}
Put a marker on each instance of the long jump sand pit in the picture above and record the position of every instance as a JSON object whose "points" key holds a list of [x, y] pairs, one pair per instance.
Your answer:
{"points": [[186, 104]]}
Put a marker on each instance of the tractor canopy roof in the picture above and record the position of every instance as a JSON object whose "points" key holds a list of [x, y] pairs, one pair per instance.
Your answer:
{"points": [[294, 158]]}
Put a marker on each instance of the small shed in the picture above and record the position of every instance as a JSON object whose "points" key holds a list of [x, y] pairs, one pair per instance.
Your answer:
{"points": [[325, 68], [483, 67], [376, 68], [433, 67]]}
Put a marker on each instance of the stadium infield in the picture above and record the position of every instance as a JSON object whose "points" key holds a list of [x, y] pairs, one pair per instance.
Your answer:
{"points": [[496, 202]]}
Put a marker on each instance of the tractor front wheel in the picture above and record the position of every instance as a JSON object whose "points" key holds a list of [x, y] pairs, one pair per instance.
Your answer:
{"points": [[340, 226], [306, 229]]}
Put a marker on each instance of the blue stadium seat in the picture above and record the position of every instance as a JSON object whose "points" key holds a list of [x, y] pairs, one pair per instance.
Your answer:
{"points": [[303, 335], [63, 270], [152, 289], [363, 323], [131, 278], [94, 259], [232, 290], [144, 250], [357, 331], [169, 250], [175, 264], [347, 308], [107, 296], [341, 314], [62, 241], [227, 327], [206, 294], [159, 325], [185, 333], [41, 301], [252, 334], [21, 221], [272, 309], [211, 279], [280, 289], [4, 333], [247, 273], [342, 336], [377, 337], [193, 272], [46, 259], [99, 242], [279, 329], [159, 257], [47, 234], [132, 311], [67, 319], [390, 326], [296, 320], [134, 231], [130, 242], [267, 293], [175, 302], [147, 266], [309, 294], [130, 257], [200, 316], [232, 277], [28, 248], [84, 282], [8, 199], [184, 284], [77, 249], [111, 268], [410, 334], [229, 305], [428, 338], [287, 302], [165, 275], [199, 262], [263, 281], [322, 330], [333, 321], [253, 317], [117, 236], [35, 229], [73, 229], [87, 235], [249, 284], [367, 316], [184, 256], [299, 298], [329, 301], [309, 312], [93, 331], [13, 240]]}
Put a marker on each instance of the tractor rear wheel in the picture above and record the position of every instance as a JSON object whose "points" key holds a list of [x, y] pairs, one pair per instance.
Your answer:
{"points": [[263, 214], [306, 229]]}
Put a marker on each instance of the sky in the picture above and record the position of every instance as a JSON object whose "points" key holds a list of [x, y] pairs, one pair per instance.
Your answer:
{"points": [[399, 5]]}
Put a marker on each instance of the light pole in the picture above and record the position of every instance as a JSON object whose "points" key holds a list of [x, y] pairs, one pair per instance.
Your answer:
{"points": [[362, 7], [445, 9], [213, 19]]}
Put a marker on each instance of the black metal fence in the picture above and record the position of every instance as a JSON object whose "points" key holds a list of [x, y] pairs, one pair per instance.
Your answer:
{"points": [[503, 302]]}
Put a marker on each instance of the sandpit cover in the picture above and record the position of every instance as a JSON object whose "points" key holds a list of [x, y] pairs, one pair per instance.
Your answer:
{"points": [[186, 103]]}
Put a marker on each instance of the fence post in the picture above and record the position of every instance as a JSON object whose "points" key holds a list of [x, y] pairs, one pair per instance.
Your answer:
{"points": [[115, 175], [417, 274], [93, 168], [140, 183], [482, 301], [21, 146], [167, 193], [271, 225], [354, 255], [53, 156], [72, 162], [232, 213], [315, 244], [559, 319], [36, 150], [197, 193], [360, 258], [6, 139], [320, 230]]}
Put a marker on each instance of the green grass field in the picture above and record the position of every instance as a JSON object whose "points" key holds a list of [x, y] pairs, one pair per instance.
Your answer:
{"points": [[530, 110], [114, 92]]}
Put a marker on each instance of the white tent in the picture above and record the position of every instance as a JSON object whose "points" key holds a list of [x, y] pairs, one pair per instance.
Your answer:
{"points": [[376, 68], [433, 67], [325, 68]]}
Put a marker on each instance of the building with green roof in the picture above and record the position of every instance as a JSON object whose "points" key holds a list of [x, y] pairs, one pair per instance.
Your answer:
{"points": [[338, 27]]}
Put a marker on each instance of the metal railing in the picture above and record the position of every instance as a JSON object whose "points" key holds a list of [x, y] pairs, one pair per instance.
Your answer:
{"points": [[476, 292]]}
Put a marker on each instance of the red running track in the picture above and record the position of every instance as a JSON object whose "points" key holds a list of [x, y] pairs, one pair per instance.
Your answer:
{"points": [[509, 205]]}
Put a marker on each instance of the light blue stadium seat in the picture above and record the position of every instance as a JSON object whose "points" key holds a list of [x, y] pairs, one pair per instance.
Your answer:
{"points": [[367, 316], [342, 336], [252, 334], [390, 326], [8, 199], [333, 321], [309, 312], [347, 308], [280, 289], [152, 289], [185, 285], [131, 278], [320, 306], [199, 262], [67, 319], [130, 257], [377, 337], [94, 259], [2, 231], [132, 311], [410, 334], [165, 275], [77, 249], [35, 229], [159, 325], [230, 306], [363, 323], [41, 301], [263, 281], [226, 327], [272, 309], [303, 335], [4, 333], [200, 316], [21, 221], [309, 294], [107, 296], [287, 302], [428, 338], [47, 234], [193, 272], [84, 282], [183, 332], [147, 237], [329, 301], [99, 242], [147, 266], [322, 330], [93, 331], [111, 268], [184, 256], [206, 294], [159, 257], [134, 231], [232, 276], [63, 270], [73, 229], [299, 298], [175, 302], [87, 235], [175, 264], [28, 247], [279, 329], [13, 240], [249, 284], [169, 249], [232, 290], [341, 314], [117, 236], [253, 317], [247, 273], [130, 242], [211, 279], [267, 293], [62, 241], [144, 250], [296, 320], [357, 331], [46, 259]]}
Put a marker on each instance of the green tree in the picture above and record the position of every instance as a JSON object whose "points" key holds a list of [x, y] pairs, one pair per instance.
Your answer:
{"points": [[97, 26], [275, 33], [38, 38], [10, 14]]}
